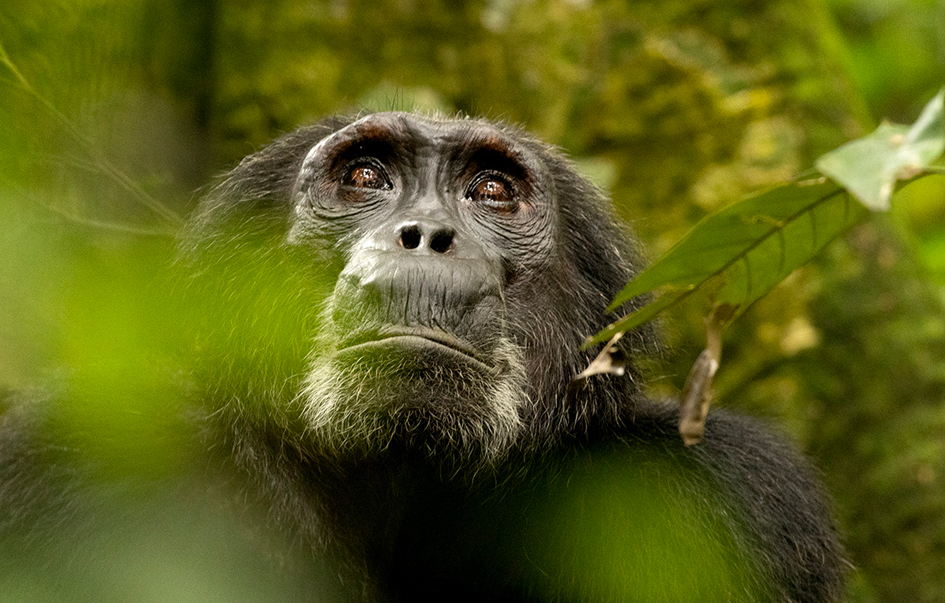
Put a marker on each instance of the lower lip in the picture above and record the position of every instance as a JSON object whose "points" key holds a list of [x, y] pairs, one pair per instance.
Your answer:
{"points": [[418, 342]]}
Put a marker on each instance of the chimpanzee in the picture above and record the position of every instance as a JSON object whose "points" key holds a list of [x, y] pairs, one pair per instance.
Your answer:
{"points": [[387, 314]]}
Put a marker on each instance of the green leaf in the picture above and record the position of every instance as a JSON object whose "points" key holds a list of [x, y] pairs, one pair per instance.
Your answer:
{"points": [[870, 166], [739, 254], [742, 252]]}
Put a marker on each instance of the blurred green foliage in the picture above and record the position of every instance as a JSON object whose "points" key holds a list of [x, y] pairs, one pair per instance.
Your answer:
{"points": [[677, 108], [677, 551]]}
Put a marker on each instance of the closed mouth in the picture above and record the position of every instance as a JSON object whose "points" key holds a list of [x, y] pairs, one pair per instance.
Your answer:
{"points": [[421, 336]]}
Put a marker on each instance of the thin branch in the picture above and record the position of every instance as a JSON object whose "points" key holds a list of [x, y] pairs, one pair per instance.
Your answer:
{"points": [[112, 226], [100, 161]]}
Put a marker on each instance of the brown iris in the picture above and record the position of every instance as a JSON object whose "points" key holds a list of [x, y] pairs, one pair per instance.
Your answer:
{"points": [[494, 193], [365, 176]]}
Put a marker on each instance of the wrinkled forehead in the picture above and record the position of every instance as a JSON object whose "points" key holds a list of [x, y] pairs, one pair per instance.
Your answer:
{"points": [[405, 134]]}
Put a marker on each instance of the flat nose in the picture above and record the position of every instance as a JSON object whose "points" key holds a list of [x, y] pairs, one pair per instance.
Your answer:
{"points": [[421, 235]]}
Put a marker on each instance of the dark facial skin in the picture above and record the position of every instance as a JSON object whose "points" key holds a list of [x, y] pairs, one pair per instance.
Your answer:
{"points": [[441, 218], [438, 221]]}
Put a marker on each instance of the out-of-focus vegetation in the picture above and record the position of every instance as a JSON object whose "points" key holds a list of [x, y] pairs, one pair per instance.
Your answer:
{"points": [[737, 255], [112, 112]]}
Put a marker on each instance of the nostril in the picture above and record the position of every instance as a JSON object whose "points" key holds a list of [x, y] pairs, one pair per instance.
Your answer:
{"points": [[442, 241], [410, 237]]}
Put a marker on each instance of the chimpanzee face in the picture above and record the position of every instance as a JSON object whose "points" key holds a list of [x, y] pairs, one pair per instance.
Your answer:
{"points": [[438, 222]]}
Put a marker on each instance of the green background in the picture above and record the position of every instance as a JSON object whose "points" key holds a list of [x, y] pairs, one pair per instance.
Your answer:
{"points": [[113, 112]]}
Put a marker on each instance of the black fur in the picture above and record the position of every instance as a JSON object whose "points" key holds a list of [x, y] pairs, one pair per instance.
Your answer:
{"points": [[424, 473]]}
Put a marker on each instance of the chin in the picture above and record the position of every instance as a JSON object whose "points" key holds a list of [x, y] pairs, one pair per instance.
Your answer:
{"points": [[416, 395]]}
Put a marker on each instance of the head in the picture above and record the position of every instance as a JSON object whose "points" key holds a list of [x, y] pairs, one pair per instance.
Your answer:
{"points": [[403, 281]]}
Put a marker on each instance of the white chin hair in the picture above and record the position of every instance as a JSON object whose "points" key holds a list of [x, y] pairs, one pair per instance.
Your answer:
{"points": [[360, 407]]}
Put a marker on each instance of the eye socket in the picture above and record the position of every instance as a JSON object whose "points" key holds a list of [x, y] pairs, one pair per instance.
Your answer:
{"points": [[366, 175], [494, 192]]}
